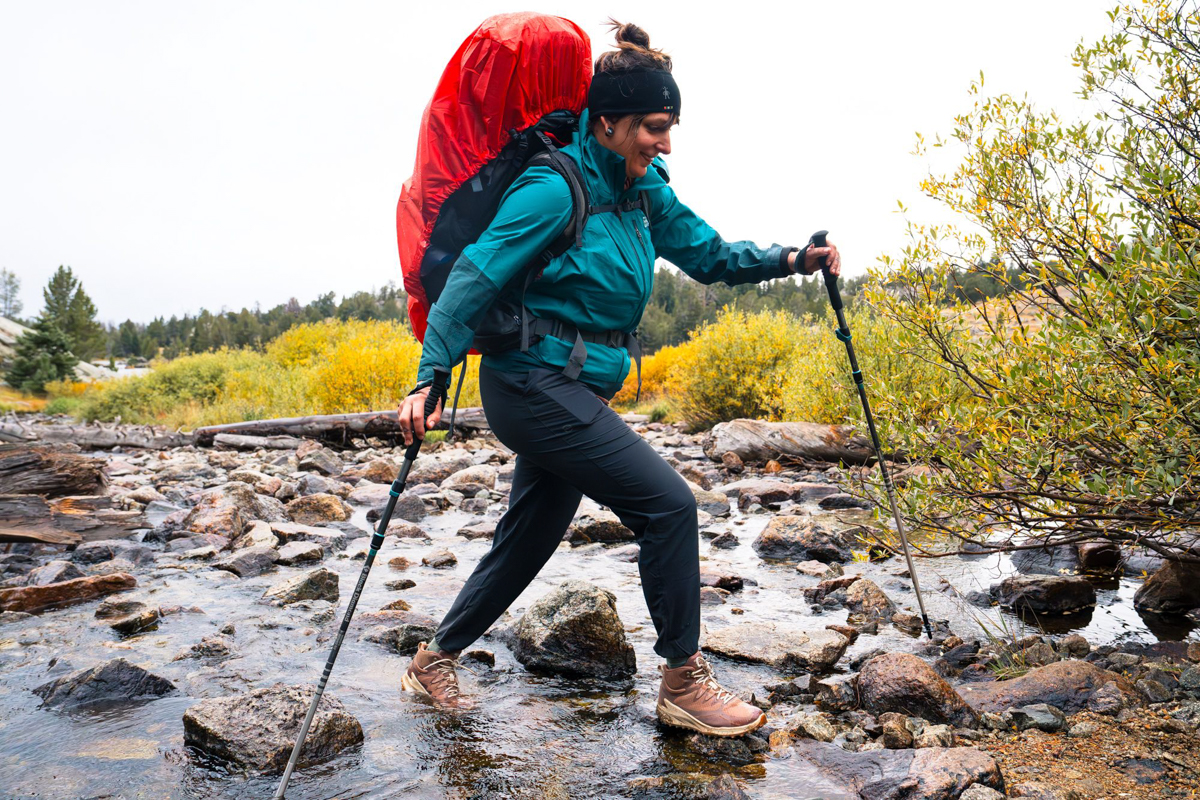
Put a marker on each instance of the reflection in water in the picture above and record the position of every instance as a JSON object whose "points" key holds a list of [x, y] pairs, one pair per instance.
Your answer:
{"points": [[530, 736]]}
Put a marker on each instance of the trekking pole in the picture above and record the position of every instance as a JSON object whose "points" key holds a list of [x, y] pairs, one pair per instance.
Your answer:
{"points": [[843, 333], [441, 380]]}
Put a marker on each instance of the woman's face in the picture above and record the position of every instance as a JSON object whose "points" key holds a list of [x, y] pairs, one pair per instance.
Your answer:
{"points": [[641, 145]]}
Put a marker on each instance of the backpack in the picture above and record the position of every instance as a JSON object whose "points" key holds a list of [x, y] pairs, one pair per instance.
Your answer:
{"points": [[510, 95]]}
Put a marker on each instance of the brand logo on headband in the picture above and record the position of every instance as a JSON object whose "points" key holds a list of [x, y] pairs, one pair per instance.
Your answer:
{"points": [[666, 93]]}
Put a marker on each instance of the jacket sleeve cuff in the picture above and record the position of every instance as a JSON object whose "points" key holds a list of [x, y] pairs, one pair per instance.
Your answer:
{"points": [[784, 270]]}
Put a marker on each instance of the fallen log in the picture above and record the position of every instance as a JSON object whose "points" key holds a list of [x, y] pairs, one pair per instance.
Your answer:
{"points": [[755, 441], [106, 437], [67, 520], [49, 470], [15, 432], [236, 441], [339, 428]]}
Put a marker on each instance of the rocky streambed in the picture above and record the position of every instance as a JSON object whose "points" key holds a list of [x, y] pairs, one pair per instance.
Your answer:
{"points": [[179, 660]]}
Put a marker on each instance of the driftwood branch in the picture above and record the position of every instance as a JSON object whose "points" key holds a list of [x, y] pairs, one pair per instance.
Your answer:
{"points": [[335, 427], [106, 437], [50, 471], [68, 520], [755, 441]]}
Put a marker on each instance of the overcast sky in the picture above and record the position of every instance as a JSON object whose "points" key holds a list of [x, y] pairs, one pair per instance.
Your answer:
{"points": [[183, 155]]}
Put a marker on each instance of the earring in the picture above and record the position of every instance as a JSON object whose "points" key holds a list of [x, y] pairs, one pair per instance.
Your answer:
{"points": [[609, 131]]}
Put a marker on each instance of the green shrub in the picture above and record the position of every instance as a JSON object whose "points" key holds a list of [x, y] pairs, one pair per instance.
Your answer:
{"points": [[63, 405]]}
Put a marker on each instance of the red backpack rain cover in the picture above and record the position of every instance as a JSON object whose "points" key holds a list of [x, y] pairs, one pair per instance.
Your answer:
{"points": [[511, 71]]}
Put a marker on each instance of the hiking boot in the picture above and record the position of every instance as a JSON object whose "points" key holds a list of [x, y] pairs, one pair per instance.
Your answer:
{"points": [[431, 674], [691, 698]]}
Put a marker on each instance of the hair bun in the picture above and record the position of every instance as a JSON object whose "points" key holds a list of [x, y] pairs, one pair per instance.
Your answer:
{"points": [[633, 34]]}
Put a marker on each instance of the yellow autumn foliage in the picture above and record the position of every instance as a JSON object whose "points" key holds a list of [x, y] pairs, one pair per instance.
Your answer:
{"points": [[657, 371]]}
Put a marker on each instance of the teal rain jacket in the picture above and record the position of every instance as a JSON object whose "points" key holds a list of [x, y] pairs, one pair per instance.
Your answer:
{"points": [[603, 285]]}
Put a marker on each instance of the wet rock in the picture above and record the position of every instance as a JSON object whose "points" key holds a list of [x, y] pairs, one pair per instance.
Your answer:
{"points": [[409, 507], [730, 582], [842, 500], [54, 572], [1098, 556], [108, 549], [767, 491], [329, 539], [575, 630], [1045, 594], [210, 647], [801, 539], [1108, 699], [315, 509], [904, 683], [629, 553], [784, 648], [865, 598], [732, 462], [895, 734], [440, 559], [402, 639], [725, 541], [817, 569], [294, 553], [710, 596], [1173, 589], [1153, 690], [189, 543], [708, 501], [1053, 560], [934, 736], [478, 657], [321, 460], [226, 510], [1073, 645], [600, 525], [400, 584], [1042, 716], [257, 729], [977, 791], [115, 681], [479, 530], [399, 563], [249, 561], [140, 618], [7, 617], [816, 726], [317, 584], [935, 773], [1067, 685], [836, 693], [397, 605], [31, 599], [377, 470]]}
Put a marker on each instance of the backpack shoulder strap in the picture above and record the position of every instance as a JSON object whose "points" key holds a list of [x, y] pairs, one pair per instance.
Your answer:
{"points": [[566, 167]]}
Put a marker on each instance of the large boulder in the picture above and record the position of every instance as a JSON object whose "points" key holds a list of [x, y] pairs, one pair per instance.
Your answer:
{"points": [[935, 773], [317, 584], [226, 510], [314, 509], [1045, 594], [795, 538], [755, 441], [115, 681], [1066, 685], [1102, 556], [784, 648], [575, 630], [903, 683], [1173, 589], [32, 599], [1059, 559], [257, 730]]}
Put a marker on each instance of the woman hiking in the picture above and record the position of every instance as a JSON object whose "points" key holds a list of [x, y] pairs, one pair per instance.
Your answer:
{"points": [[549, 403]]}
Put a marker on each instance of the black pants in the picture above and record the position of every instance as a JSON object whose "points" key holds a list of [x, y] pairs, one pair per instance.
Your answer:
{"points": [[568, 444]]}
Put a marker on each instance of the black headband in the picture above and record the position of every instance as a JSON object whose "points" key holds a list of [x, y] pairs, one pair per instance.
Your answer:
{"points": [[633, 92]]}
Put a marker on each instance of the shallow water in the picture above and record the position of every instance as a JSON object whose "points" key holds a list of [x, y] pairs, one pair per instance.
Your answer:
{"points": [[531, 736]]}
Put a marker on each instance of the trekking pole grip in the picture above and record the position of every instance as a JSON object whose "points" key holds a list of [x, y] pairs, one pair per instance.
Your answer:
{"points": [[831, 281]]}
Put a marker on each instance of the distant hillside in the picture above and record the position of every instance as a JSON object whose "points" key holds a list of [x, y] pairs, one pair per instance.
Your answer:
{"points": [[11, 331]]}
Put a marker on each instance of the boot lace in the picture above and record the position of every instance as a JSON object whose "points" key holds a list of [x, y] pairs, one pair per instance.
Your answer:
{"points": [[703, 675], [444, 678]]}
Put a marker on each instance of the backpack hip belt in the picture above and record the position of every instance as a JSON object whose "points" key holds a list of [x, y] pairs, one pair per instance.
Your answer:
{"points": [[538, 327]]}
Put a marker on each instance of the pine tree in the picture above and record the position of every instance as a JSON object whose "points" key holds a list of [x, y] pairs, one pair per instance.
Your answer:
{"points": [[70, 308], [10, 289], [42, 355]]}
